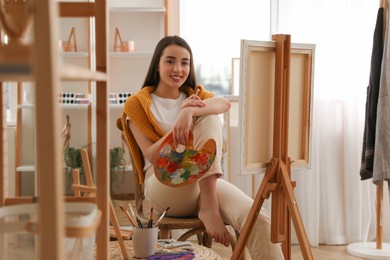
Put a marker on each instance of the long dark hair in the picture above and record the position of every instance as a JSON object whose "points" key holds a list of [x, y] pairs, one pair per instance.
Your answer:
{"points": [[152, 77]]}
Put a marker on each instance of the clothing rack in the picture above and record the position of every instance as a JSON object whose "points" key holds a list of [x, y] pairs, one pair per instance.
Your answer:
{"points": [[377, 249]]}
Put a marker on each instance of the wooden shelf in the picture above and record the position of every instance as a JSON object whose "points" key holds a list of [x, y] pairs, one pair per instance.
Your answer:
{"points": [[73, 73], [23, 72], [77, 9]]}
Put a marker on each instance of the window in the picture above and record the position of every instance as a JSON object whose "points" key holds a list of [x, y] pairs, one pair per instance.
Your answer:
{"points": [[214, 30]]}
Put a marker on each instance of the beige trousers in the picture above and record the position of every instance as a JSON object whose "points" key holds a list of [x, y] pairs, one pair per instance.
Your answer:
{"points": [[234, 204]]}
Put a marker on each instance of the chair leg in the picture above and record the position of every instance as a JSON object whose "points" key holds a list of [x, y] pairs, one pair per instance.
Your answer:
{"points": [[200, 238], [207, 240], [164, 233]]}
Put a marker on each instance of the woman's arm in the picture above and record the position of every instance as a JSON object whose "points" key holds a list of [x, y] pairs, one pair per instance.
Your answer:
{"points": [[194, 107], [148, 148], [216, 105]]}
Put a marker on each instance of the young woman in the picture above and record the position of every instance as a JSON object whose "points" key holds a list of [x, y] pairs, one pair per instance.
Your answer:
{"points": [[170, 101]]}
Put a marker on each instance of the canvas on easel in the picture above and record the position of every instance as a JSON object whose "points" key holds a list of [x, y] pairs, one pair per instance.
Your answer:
{"points": [[279, 98], [257, 73]]}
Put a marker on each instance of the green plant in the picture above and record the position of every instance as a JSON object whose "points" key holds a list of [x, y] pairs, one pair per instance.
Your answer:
{"points": [[117, 165], [72, 160], [72, 157], [117, 158]]}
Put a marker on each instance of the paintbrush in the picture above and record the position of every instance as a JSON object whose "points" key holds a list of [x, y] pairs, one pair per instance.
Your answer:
{"points": [[161, 217], [127, 215], [150, 222], [136, 216]]}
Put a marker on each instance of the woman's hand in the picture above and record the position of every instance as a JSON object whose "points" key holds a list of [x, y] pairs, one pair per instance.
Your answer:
{"points": [[184, 121], [193, 101], [182, 127]]}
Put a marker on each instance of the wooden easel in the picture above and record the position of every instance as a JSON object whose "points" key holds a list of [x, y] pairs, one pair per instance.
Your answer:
{"points": [[277, 176], [122, 46], [71, 45]]}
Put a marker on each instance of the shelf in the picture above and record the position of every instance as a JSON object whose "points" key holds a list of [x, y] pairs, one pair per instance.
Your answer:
{"points": [[116, 106], [78, 106], [137, 9], [15, 62], [26, 106], [77, 9], [22, 72], [26, 168], [131, 55], [70, 73], [126, 168], [136, 6], [64, 106], [74, 54]]}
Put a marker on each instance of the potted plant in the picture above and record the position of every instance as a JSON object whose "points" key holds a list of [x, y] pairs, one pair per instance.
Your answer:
{"points": [[117, 169], [72, 160]]}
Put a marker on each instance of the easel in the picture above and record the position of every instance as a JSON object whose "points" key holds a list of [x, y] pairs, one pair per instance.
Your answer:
{"points": [[277, 176], [71, 45], [123, 46]]}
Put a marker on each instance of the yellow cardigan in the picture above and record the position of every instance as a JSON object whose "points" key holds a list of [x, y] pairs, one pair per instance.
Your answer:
{"points": [[137, 109]]}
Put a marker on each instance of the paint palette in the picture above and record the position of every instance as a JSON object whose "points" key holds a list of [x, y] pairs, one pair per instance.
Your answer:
{"points": [[179, 168]]}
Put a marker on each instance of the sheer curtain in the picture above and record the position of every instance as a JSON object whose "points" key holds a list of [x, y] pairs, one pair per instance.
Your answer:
{"points": [[335, 205]]}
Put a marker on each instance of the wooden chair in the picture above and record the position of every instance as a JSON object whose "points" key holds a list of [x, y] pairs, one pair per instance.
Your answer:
{"points": [[193, 225], [89, 190]]}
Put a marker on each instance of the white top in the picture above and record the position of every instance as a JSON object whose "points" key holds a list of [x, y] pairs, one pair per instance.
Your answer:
{"points": [[166, 110]]}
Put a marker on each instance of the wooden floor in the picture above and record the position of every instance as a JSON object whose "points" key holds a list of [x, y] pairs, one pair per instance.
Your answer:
{"points": [[319, 253]]}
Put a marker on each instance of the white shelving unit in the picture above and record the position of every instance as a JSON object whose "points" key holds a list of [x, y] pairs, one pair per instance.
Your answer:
{"points": [[143, 22]]}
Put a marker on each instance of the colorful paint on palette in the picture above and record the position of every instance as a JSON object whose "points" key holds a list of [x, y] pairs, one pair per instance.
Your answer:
{"points": [[179, 168]]}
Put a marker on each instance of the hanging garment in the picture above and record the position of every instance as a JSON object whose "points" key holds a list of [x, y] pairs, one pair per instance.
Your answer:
{"points": [[382, 135], [367, 163]]}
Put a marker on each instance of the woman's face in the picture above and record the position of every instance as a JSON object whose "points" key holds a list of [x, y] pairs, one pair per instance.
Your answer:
{"points": [[174, 66]]}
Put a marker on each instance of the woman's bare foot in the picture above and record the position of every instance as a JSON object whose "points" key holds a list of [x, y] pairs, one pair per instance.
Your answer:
{"points": [[212, 220], [209, 212]]}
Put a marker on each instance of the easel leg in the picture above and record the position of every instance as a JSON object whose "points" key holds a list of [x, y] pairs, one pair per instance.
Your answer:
{"points": [[263, 193], [295, 215]]}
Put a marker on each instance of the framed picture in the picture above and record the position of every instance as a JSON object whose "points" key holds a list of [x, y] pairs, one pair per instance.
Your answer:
{"points": [[257, 76]]}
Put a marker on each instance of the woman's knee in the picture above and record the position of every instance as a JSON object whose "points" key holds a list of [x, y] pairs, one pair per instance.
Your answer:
{"points": [[207, 127], [207, 121]]}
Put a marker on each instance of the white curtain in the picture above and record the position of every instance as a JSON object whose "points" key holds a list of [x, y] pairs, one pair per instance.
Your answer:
{"points": [[335, 205]]}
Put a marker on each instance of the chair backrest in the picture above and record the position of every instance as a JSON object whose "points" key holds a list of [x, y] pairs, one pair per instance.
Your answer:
{"points": [[138, 188]]}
